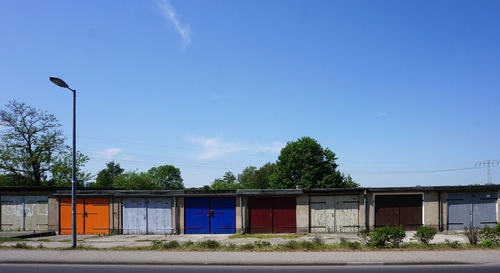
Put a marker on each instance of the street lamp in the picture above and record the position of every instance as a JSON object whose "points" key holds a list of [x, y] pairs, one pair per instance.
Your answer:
{"points": [[62, 84]]}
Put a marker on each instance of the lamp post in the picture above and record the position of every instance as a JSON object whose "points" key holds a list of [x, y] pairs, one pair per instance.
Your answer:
{"points": [[62, 84]]}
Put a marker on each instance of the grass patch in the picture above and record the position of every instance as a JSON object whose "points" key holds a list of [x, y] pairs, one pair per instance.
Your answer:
{"points": [[265, 236], [22, 246], [10, 239]]}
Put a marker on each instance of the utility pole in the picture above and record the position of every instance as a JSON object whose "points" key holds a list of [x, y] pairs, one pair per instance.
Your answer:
{"points": [[488, 164]]}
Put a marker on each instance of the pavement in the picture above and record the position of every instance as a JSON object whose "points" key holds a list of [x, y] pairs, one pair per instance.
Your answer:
{"points": [[250, 258]]}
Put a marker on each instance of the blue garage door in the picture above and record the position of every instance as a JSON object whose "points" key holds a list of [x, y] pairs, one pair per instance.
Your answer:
{"points": [[209, 215], [478, 209]]}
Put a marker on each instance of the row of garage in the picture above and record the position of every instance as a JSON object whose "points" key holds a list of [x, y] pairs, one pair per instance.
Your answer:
{"points": [[253, 211]]}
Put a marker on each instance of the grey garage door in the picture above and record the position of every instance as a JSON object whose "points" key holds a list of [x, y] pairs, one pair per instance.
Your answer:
{"points": [[147, 216], [334, 213], [478, 209], [29, 213]]}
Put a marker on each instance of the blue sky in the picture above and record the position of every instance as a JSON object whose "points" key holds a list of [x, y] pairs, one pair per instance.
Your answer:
{"points": [[399, 90]]}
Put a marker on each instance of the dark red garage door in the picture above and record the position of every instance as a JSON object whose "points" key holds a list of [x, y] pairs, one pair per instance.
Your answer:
{"points": [[395, 210], [272, 215]]}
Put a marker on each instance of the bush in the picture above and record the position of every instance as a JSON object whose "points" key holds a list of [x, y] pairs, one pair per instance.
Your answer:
{"points": [[486, 243], [490, 234], [291, 245], [262, 244], [472, 234], [308, 245], [247, 246], [386, 236], [22, 245], [425, 234], [209, 244]]}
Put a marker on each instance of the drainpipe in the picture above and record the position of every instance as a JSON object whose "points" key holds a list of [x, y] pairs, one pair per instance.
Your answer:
{"points": [[366, 210], [241, 215], [175, 215]]}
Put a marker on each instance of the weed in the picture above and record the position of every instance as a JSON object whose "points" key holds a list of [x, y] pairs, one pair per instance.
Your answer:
{"points": [[308, 245], [317, 239], [472, 234], [247, 246], [452, 244], [486, 243], [290, 245], [262, 244], [22, 245], [211, 244]]}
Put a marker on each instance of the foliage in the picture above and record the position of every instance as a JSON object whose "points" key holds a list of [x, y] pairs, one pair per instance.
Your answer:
{"points": [[305, 164], [490, 234], [386, 237], [133, 180], [167, 177], [262, 244], [452, 244], [211, 244], [61, 169], [472, 234], [164, 244], [228, 182], [30, 145], [253, 178], [106, 177], [425, 234]]}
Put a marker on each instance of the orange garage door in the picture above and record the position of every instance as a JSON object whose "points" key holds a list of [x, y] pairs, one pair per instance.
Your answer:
{"points": [[92, 216]]}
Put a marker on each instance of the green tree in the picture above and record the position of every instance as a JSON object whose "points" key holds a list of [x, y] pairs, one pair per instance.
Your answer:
{"points": [[305, 164], [228, 182], [61, 170], [134, 180], [253, 178], [31, 143], [167, 177], [106, 177]]}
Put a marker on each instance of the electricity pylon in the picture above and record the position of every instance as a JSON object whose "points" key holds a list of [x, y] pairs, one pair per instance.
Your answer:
{"points": [[488, 164]]}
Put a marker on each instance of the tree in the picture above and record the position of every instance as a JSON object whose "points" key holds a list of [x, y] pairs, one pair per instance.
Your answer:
{"points": [[253, 178], [31, 143], [167, 177], [228, 182], [61, 169], [133, 180], [106, 177], [305, 164]]}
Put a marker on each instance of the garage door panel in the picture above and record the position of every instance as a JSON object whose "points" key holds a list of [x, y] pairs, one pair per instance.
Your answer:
{"points": [[260, 215], [196, 215], [36, 213], [284, 215], [322, 213], [484, 210], [223, 216], [96, 216], [159, 215], [396, 210], [65, 213], [346, 213], [134, 216], [12, 212]]}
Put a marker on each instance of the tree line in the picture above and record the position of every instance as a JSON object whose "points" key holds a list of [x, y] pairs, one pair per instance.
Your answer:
{"points": [[33, 153]]}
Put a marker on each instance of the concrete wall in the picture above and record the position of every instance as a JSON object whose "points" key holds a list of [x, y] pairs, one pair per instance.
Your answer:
{"points": [[115, 215], [361, 212], [240, 214], [302, 213], [180, 215], [53, 214], [431, 209]]}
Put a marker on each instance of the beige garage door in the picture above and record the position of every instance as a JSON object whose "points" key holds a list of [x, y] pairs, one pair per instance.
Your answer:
{"points": [[334, 213]]}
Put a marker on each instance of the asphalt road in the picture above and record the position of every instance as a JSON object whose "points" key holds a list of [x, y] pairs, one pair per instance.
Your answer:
{"points": [[60, 268]]}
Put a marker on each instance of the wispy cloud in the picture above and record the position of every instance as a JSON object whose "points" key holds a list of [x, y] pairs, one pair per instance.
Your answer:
{"points": [[213, 148], [170, 14], [112, 154]]}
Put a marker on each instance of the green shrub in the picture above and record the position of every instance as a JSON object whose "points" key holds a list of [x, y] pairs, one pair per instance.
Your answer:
{"points": [[472, 234], [386, 237], [308, 245], [290, 245], [22, 245], [486, 243], [171, 244], [452, 244], [247, 246], [262, 244], [188, 244], [209, 244], [490, 234], [425, 234]]}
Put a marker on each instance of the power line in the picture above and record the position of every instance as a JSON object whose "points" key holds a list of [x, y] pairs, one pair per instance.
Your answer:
{"points": [[488, 164]]}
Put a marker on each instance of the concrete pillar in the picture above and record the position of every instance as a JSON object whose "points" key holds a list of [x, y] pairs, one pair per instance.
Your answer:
{"points": [[238, 214], [302, 213], [115, 215], [53, 216], [431, 209], [361, 212], [371, 211], [180, 215], [444, 209]]}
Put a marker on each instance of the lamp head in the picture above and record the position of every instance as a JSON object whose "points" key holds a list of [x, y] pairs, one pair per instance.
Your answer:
{"points": [[58, 82]]}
